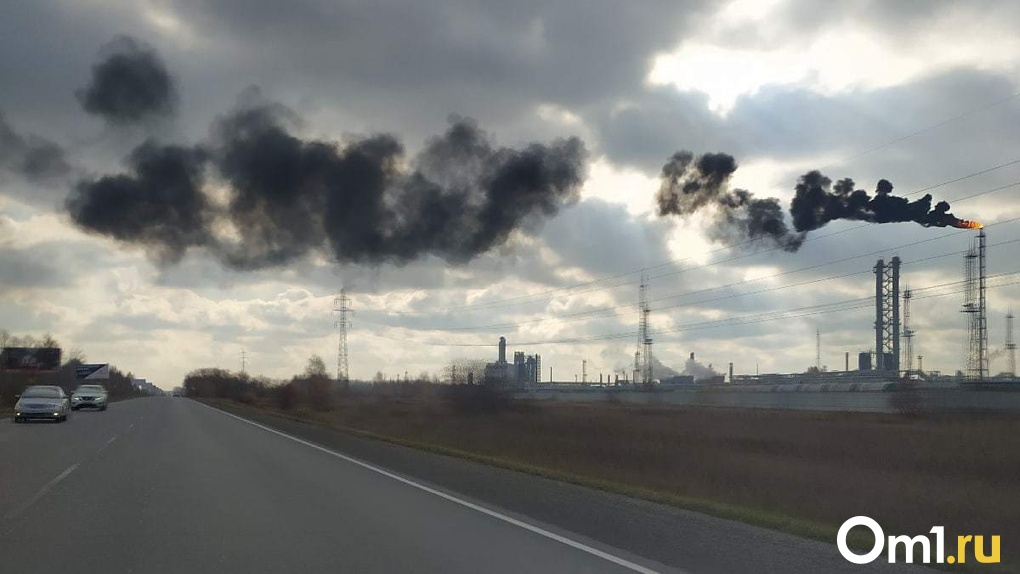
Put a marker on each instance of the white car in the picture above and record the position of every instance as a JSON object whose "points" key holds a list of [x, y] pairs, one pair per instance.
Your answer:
{"points": [[41, 402], [89, 397]]}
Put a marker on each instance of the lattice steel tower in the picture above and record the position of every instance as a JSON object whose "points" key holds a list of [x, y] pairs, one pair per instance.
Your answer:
{"points": [[643, 356], [975, 306], [908, 333], [887, 315], [341, 307]]}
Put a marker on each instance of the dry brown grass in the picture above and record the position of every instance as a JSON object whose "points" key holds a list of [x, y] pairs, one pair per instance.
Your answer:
{"points": [[908, 473]]}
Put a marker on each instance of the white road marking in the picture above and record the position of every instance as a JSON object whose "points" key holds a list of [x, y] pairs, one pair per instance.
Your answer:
{"points": [[113, 438], [540, 531], [42, 492]]}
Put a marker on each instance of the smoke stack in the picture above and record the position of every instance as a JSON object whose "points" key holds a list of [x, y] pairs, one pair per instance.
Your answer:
{"points": [[502, 350], [731, 373], [692, 356]]}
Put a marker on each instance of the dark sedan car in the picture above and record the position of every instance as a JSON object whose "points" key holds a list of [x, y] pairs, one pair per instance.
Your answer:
{"points": [[42, 402]]}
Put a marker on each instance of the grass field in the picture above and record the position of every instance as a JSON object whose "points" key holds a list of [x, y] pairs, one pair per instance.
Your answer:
{"points": [[796, 471]]}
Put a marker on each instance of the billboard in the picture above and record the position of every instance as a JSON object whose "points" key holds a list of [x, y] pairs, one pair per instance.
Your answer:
{"points": [[31, 359], [93, 371]]}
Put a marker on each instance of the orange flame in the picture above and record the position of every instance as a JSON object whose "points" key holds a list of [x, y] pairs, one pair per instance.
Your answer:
{"points": [[968, 224]]}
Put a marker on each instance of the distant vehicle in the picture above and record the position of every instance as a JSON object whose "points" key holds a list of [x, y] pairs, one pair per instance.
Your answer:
{"points": [[89, 397], [42, 402]]}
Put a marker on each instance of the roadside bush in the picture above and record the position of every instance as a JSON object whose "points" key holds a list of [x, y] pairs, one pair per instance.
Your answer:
{"points": [[478, 398]]}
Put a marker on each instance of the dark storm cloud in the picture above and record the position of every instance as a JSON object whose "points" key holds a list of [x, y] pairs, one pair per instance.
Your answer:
{"points": [[158, 205], [460, 197], [30, 156], [789, 123], [691, 183], [397, 66], [131, 84]]}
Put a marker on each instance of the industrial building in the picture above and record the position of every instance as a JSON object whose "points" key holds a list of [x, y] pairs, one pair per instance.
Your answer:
{"points": [[524, 371]]}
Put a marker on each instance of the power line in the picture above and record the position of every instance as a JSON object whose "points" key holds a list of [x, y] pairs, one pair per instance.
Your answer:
{"points": [[805, 311], [920, 131], [541, 296], [613, 311]]}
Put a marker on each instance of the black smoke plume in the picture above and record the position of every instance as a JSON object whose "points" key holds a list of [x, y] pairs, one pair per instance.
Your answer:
{"points": [[690, 184], [130, 85], [818, 201], [29, 156], [159, 205], [363, 202]]}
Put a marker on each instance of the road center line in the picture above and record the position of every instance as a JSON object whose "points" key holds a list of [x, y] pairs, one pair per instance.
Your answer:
{"points": [[42, 492], [510, 520]]}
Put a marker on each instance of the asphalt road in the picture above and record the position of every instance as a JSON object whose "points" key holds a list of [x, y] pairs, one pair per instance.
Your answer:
{"points": [[171, 485]]}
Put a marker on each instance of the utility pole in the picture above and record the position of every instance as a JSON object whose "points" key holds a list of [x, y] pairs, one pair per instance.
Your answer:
{"points": [[584, 371], [908, 333], [1010, 344], [341, 307], [818, 350]]}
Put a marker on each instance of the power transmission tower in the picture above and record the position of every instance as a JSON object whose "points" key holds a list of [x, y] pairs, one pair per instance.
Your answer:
{"points": [[341, 307], [638, 368], [645, 339], [908, 333], [1010, 344], [975, 306], [244, 360]]}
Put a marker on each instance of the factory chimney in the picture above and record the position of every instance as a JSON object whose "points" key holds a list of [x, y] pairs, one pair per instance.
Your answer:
{"points": [[502, 350]]}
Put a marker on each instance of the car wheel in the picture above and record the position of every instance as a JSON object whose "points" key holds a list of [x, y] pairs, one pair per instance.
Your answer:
{"points": [[103, 408], [17, 420]]}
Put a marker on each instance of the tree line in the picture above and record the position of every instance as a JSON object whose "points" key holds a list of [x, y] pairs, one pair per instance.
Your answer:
{"points": [[315, 390], [12, 383]]}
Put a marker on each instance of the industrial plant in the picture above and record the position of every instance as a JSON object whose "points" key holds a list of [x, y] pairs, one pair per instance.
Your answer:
{"points": [[524, 371], [882, 375], [890, 360]]}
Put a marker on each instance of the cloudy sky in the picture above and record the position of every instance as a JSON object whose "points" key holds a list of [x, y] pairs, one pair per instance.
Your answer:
{"points": [[183, 180]]}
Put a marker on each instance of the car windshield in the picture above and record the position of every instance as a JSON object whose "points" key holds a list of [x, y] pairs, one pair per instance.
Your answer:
{"points": [[90, 389], [41, 393]]}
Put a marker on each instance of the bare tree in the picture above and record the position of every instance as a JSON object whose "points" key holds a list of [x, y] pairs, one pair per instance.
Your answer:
{"points": [[316, 367]]}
